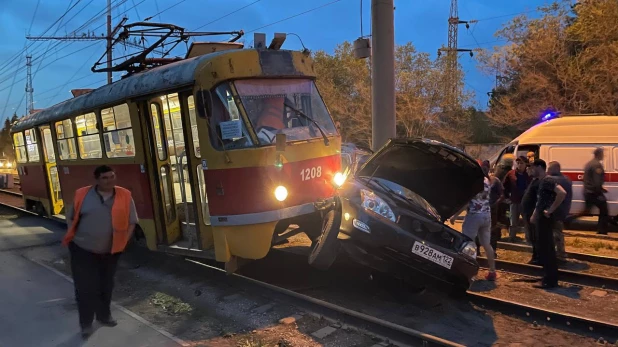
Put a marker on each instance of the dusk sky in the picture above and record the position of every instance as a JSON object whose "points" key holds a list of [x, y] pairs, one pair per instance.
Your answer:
{"points": [[57, 69]]}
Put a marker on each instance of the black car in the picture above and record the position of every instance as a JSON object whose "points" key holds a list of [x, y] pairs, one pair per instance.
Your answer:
{"points": [[391, 211]]}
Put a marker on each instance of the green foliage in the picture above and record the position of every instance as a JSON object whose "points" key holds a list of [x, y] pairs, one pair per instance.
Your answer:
{"points": [[345, 85]]}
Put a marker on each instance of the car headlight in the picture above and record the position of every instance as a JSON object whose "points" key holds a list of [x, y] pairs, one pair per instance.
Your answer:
{"points": [[469, 249], [339, 179], [375, 204]]}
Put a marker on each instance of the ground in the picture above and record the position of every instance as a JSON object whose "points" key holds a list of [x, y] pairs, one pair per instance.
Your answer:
{"points": [[206, 308]]}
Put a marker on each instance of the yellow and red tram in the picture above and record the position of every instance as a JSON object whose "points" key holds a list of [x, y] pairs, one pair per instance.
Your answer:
{"points": [[221, 151]]}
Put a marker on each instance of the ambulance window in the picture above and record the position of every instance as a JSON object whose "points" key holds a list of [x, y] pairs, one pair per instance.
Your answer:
{"points": [[529, 151], [571, 158]]}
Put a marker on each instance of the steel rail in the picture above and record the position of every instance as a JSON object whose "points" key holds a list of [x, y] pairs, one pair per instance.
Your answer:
{"points": [[578, 278], [591, 258], [374, 325], [4, 191], [539, 316], [395, 332]]}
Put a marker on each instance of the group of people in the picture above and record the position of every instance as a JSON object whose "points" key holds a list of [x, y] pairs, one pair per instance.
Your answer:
{"points": [[541, 195]]}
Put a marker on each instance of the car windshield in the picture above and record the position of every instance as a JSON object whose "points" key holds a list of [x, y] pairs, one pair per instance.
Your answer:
{"points": [[410, 196], [288, 106]]}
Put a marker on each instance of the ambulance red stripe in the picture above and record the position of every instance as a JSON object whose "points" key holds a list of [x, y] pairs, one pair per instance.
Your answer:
{"points": [[576, 176]]}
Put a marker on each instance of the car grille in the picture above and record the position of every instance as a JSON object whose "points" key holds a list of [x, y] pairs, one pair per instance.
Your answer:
{"points": [[433, 232]]}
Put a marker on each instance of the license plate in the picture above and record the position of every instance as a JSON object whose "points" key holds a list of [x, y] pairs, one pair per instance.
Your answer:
{"points": [[432, 255]]}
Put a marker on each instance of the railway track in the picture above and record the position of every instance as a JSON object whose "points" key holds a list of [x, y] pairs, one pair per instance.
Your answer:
{"points": [[401, 334], [572, 277], [591, 258]]}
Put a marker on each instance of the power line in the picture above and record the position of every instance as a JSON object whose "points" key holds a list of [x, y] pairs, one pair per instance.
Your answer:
{"points": [[294, 16], [227, 15], [49, 28], [50, 47], [507, 15], [36, 8], [159, 13]]}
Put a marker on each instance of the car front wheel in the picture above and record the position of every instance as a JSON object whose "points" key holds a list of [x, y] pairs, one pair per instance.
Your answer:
{"points": [[324, 249]]}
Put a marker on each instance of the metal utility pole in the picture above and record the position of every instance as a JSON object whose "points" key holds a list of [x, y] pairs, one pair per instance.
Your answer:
{"points": [[92, 37], [382, 72], [109, 41], [29, 88], [451, 54]]}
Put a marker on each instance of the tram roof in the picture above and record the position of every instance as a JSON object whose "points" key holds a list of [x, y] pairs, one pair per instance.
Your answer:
{"points": [[155, 80]]}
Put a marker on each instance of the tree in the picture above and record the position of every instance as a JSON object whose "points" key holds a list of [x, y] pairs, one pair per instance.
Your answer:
{"points": [[565, 60], [345, 84], [6, 143]]}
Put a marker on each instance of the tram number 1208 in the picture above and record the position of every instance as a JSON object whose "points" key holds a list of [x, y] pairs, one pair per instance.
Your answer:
{"points": [[310, 173]]}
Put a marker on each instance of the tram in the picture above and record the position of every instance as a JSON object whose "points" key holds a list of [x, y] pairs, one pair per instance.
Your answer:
{"points": [[223, 152]]}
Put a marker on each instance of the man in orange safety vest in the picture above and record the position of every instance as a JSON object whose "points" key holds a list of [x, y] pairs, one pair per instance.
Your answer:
{"points": [[100, 224]]}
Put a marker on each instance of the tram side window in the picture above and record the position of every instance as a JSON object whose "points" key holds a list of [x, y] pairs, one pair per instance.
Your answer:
{"points": [[66, 140], [194, 134], [31, 146], [117, 132], [20, 147], [88, 136]]}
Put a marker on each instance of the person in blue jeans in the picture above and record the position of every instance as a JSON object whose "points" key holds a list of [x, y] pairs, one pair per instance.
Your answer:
{"points": [[478, 223]]}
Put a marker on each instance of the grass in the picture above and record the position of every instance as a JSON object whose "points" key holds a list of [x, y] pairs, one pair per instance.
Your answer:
{"points": [[252, 343], [578, 243], [170, 304]]}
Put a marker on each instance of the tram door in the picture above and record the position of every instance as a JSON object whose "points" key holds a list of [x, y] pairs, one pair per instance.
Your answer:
{"points": [[164, 171], [57, 203]]}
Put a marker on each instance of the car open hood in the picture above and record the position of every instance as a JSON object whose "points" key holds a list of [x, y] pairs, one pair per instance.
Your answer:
{"points": [[443, 175]]}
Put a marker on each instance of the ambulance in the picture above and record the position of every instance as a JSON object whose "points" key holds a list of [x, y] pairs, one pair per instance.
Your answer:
{"points": [[570, 140]]}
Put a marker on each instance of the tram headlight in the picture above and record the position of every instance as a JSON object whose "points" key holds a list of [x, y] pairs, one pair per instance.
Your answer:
{"points": [[9, 165], [2, 164], [339, 179], [281, 193]]}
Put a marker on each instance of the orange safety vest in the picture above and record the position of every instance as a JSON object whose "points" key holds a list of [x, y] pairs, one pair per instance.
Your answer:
{"points": [[272, 114], [121, 210]]}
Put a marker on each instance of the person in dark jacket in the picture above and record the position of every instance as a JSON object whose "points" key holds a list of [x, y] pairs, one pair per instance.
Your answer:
{"points": [[515, 184], [563, 211], [594, 192], [528, 203], [549, 199]]}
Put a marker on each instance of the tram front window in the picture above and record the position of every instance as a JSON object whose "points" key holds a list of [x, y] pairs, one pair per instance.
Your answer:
{"points": [[284, 106]]}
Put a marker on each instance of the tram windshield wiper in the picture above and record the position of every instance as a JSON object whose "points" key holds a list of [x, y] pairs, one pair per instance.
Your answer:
{"points": [[301, 113]]}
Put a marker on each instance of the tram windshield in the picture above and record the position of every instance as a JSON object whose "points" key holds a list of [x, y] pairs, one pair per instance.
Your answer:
{"points": [[289, 106]]}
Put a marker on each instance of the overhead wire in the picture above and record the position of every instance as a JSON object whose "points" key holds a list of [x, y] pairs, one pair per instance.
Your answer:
{"points": [[294, 16], [10, 60], [78, 29], [159, 13], [52, 46], [227, 15]]}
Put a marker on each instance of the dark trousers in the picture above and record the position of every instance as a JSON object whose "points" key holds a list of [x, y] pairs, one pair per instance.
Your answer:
{"points": [[534, 238], [600, 202], [93, 277], [547, 249]]}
